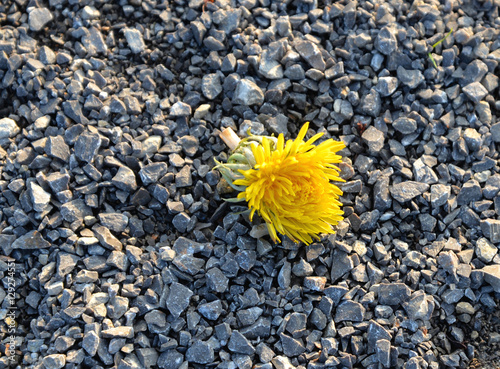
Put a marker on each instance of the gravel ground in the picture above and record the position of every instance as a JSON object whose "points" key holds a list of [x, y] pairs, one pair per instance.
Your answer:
{"points": [[117, 249]]}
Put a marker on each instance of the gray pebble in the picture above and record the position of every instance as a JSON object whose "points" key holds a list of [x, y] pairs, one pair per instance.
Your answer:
{"points": [[135, 40], [8, 128], [311, 53], [349, 311], [240, 344], [200, 353], [178, 299], [393, 293], [475, 91], [405, 125], [86, 146], [57, 148], [410, 78], [406, 191], [211, 86], [180, 109], [248, 93], [386, 42], [54, 361], [124, 179], [39, 18]]}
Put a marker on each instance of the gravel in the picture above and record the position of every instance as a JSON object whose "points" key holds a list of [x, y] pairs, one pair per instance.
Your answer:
{"points": [[126, 254]]}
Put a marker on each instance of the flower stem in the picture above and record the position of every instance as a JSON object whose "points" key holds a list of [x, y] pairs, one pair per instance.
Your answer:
{"points": [[230, 138]]}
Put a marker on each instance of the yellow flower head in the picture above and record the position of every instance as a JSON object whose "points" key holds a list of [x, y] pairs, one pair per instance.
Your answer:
{"points": [[289, 186]]}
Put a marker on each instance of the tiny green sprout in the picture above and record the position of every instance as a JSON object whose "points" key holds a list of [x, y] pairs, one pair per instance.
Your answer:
{"points": [[436, 44]]}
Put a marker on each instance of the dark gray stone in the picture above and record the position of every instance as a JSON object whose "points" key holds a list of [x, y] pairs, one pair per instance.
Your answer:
{"points": [[406, 191], [405, 125], [178, 299], [57, 148], [211, 310], [86, 146], [410, 78], [311, 53], [239, 344], [124, 179], [247, 93], [349, 311], [291, 346], [393, 293], [386, 42], [30, 241]]}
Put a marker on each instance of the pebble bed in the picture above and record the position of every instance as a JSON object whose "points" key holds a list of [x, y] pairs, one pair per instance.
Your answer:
{"points": [[126, 255]]}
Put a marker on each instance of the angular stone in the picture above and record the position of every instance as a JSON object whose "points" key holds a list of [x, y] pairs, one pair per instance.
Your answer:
{"points": [[376, 332], [8, 128], [386, 42], [54, 361], [410, 78], [200, 353], [39, 18], [75, 210], [349, 311], [393, 293], [408, 190], [116, 222], [211, 86], [485, 250], [492, 276], [135, 40], [106, 239], [30, 241], [239, 344], [90, 343], [248, 93], [124, 179], [311, 53], [86, 146], [405, 125], [178, 299], [491, 229], [374, 139], [39, 197], [151, 173], [118, 332], [475, 91], [291, 346]]}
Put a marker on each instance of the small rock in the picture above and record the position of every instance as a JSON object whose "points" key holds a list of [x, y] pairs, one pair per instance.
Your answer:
{"points": [[178, 299], [200, 353], [393, 293], [239, 344], [406, 191], [180, 109], [485, 250], [491, 229], [124, 179], [311, 53], [54, 361], [410, 78], [405, 125], [8, 128], [39, 18], [248, 93], [475, 91], [86, 146], [134, 40], [349, 311], [492, 276], [386, 42], [30, 241]]}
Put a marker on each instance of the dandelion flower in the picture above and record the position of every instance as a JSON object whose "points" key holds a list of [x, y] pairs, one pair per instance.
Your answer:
{"points": [[289, 184]]}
